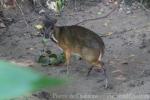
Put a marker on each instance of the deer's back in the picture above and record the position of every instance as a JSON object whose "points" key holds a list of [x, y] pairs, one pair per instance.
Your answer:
{"points": [[77, 36]]}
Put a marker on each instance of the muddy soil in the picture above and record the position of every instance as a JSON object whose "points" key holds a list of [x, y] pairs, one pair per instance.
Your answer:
{"points": [[127, 53]]}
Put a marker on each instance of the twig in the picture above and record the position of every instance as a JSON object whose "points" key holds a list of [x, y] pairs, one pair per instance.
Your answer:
{"points": [[22, 14], [142, 5], [105, 16]]}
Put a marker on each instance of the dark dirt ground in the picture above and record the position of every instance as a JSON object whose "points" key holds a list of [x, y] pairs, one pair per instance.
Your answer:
{"points": [[127, 56]]}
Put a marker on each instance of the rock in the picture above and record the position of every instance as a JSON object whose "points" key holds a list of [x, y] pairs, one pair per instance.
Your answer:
{"points": [[2, 25], [42, 11], [128, 12], [142, 46], [148, 51]]}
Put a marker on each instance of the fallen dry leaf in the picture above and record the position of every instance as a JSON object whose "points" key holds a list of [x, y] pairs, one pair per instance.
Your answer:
{"points": [[109, 33], [121, 78], [39, 27]]}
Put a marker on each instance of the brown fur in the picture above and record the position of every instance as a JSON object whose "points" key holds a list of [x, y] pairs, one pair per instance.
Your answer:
{"points": [[82, 41]]}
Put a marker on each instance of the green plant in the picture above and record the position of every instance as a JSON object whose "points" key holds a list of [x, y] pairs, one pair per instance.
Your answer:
{"points": [[60, 5], [49, 58]]}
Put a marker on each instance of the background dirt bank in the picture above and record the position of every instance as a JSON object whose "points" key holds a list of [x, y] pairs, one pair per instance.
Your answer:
{"points": [[127, 55]]}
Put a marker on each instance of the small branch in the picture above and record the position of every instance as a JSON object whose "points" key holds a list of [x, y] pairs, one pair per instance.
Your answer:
{"points": [[116, 6], [142, 5], [105, 16], [22, 14]]}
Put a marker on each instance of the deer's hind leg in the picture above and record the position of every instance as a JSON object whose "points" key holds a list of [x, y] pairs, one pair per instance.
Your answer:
{"points": [[89, 71], [100, 67]]}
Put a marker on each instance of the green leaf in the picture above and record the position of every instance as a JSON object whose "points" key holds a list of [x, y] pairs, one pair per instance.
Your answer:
{"points": [[53, 56], [16, 81], [59, 5], [53, 61], [61, 58], [44, 60], [44, 40]]}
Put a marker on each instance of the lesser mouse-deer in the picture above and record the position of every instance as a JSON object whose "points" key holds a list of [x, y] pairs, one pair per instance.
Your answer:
{"points": [[82, 41]]}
